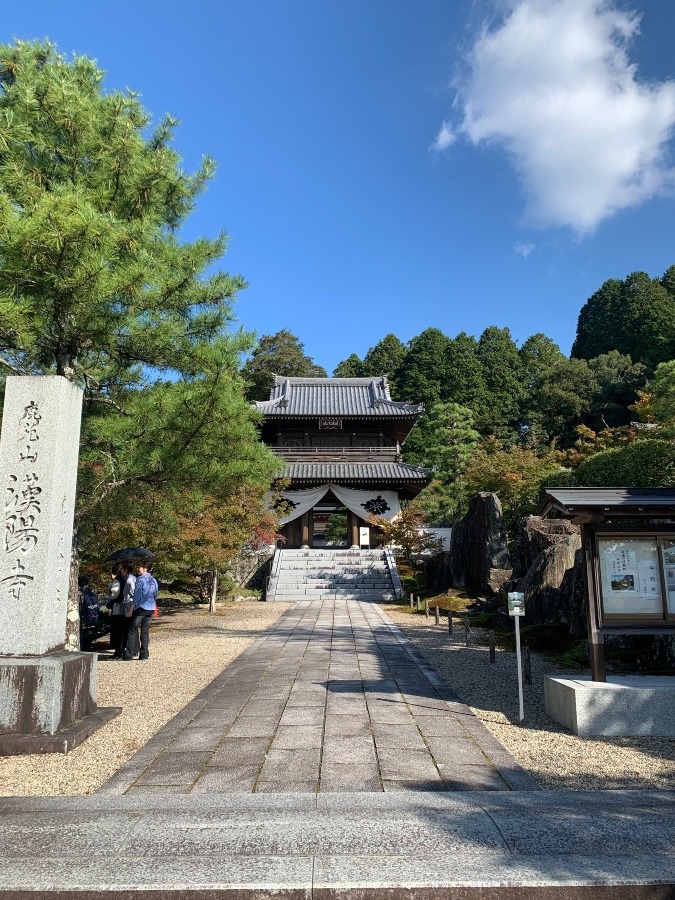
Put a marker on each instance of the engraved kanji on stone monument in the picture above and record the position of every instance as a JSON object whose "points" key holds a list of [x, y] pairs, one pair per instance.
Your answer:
{"points": [[38, 469]]}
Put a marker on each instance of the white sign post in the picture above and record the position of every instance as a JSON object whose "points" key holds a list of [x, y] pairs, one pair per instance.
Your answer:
{"points": [[517, 609], [364, 537]]}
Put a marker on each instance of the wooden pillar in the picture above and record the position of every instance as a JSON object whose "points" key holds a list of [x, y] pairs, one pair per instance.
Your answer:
{"points": [[353, 526], [304, 531], [596, 641]]}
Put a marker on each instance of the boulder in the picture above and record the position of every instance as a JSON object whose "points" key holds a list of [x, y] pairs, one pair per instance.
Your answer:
{"points": [[479, 558], [551, 586], [533, 536]]}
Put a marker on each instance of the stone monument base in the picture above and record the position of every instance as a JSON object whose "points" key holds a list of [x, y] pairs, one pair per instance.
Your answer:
{"points": [[47, 703], [622, 706]]}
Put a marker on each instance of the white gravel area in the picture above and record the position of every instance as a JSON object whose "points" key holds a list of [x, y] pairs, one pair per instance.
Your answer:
{"points": [[554, 756], [188, 648]]}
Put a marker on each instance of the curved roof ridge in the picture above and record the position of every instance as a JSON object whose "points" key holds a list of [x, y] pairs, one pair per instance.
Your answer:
{"points": [[345, 397]]}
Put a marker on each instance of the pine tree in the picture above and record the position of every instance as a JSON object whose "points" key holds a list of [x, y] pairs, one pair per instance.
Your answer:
{"points": [[97, 286]]}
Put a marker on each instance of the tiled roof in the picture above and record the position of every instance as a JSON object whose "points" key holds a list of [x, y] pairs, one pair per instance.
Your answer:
{"points": [[334, 397], [362, 471], [615, 499]]}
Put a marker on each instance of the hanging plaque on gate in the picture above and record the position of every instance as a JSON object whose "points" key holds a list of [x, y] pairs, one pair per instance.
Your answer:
{"points": [[330, 423]]}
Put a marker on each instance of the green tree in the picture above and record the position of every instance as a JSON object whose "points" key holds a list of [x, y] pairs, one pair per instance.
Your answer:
{"points": [[635, 317], [539, 357], [423, 375], [336, 529], [503, 376], [597, 320], [277, 354], [465, 383], [661, 390], [96, 286], [618, 380], [94, 282], [560, 399], [385, 358], [445, 439], [514, 473], [352, 367]]}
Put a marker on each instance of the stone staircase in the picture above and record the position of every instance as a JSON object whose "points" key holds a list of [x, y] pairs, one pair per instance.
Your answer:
{"points": [[333, 575]]}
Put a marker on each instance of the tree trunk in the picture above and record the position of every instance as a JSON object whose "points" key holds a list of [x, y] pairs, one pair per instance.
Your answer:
{"points": [[214, 591], [72, 640]]}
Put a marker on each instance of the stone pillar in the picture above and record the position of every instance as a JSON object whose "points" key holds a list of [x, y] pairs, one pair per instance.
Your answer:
{"points": [[43, 688]]}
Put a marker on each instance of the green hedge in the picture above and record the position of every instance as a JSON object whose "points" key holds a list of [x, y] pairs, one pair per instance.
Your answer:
{"points": [[645, 463]]}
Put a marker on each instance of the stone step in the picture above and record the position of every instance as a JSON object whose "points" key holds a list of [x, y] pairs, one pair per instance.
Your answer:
{"points": [[285, 578], [426, 845], [332, 574], [291, 597]]}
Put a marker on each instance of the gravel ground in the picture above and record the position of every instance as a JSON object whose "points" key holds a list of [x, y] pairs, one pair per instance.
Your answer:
{"points": [[554, 756], [188, 648]]}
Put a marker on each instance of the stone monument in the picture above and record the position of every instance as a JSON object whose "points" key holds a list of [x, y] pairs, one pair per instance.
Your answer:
{"points": [[47, 694]]}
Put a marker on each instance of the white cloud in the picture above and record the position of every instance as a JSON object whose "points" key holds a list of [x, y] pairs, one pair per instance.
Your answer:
{"points": [[553, 85], [445, 137], [523, 250]]}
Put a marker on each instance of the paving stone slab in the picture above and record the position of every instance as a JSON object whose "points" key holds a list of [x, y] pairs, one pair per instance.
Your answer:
{"points": [[239, 751], [332, 675]]}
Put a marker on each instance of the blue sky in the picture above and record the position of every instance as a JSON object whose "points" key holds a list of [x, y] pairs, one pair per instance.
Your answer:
{"points": [[390, 166]]}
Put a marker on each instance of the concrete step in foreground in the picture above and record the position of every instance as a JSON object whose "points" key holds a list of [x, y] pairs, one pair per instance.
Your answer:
{"points": [[425, 846]]}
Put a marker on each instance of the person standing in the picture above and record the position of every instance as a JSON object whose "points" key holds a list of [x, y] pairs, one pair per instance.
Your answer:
{"points": [[128, 602], [145, 603], [119, 624]]}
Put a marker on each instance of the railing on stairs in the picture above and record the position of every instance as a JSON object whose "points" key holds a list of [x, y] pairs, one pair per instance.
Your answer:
{"points": [[393, 573], [271, 586]]}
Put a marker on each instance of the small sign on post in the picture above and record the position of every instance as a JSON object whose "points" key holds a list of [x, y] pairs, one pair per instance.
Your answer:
{"points": [[516, 601]]}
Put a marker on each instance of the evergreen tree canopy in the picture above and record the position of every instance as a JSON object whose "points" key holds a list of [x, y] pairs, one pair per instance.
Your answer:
{"points": [[662, 390], [423, 375], [96, 286], [385, 358], [503, 375], [352, 367], [277, 354], [618, 380], [94, 283], [445, 439], [635, 317], [465, 382]]}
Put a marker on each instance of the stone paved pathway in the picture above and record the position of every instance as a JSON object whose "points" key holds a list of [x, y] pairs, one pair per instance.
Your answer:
{"points": [[332, 698]]}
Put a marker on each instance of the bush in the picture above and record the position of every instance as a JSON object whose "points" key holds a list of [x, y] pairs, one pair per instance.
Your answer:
{"points": [[644, 463]]}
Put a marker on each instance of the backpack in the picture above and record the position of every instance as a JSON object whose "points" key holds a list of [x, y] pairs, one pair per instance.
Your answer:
{"points": [[113, 589], [89, 610]]}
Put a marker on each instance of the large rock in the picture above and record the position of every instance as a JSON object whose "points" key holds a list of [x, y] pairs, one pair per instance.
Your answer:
{"points": [[543, 584], [479, 558], [533, 536]]}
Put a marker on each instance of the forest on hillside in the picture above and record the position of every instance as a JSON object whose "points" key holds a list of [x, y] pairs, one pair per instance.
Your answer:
{"points": [[510, 419]]}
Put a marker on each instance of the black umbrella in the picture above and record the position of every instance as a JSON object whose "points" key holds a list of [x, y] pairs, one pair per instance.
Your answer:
{"points": [[130, 553]]}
